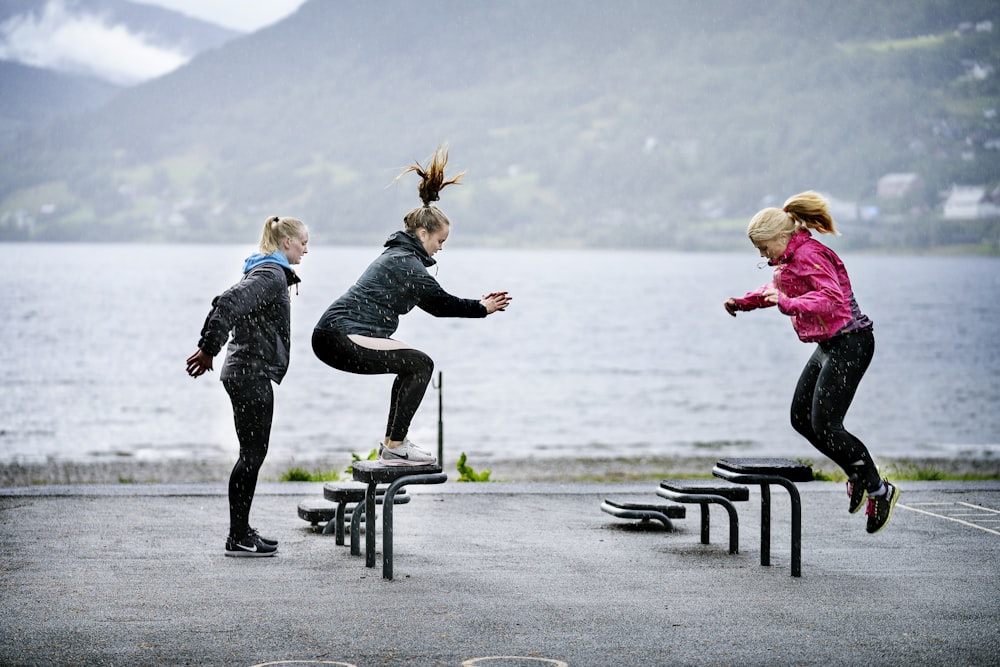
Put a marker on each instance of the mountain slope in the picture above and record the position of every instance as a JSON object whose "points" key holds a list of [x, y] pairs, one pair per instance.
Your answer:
{"points": [[612, 123]]}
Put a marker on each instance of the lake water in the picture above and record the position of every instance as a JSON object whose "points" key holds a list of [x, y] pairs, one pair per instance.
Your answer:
{"points": [[602, 353]]}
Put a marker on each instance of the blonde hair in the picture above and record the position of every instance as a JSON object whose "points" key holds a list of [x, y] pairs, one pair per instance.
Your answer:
{"points": [[275, 229], [432, 182], [806, 209]]}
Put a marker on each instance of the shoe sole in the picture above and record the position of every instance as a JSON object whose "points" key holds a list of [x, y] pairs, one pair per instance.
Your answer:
{"points": [[892, 506], [251, 554], [406, 462]]}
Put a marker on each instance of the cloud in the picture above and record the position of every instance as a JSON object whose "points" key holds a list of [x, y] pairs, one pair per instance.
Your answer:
{"points": [[85, 43]]}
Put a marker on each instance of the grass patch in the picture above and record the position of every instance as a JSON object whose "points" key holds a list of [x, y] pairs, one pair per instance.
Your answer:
{"points": [[467, 474], [302, 475]]}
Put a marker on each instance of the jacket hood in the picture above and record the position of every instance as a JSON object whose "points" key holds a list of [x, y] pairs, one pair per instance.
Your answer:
{"points": [[408, 241], [256, 259]]}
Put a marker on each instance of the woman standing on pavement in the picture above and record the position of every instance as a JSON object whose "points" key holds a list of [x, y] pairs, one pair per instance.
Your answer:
{"points": [[257, 310], [355, 333], [812, 287]]}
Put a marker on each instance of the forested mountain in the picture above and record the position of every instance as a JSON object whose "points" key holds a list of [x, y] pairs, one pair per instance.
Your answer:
{"points": [[627, 123]]}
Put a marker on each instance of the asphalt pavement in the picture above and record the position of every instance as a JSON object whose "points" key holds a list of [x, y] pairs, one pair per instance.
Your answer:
{"points": [[496, 575]]}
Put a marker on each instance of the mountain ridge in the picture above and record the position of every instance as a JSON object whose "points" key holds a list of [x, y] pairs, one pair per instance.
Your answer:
{"points": [[622, 125]]}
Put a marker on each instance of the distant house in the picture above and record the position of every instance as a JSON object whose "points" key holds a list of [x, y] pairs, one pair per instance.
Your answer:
{"points": [[968, 202], [897, 186]]}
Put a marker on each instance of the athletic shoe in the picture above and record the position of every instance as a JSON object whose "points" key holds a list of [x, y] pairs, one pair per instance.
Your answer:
{"points": [[406, 454], [250, 546], [880, 508], [271, 542], [857, 494]]}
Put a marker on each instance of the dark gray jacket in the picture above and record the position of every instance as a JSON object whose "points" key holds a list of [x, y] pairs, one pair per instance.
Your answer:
{"points": [[257, 310], [391, 286]]}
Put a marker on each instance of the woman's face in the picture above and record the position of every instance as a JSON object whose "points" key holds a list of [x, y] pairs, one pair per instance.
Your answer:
{"points": [[295, 247], [433, 241], [773, 248]]}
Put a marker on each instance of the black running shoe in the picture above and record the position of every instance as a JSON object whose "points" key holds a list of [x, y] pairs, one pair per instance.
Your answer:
{"points": [[250, 546], [266, 540], [880, 508], [857, 494]]}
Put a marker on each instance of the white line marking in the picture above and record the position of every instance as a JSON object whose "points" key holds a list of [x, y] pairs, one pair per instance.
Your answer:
{"points": [[949, 518]]}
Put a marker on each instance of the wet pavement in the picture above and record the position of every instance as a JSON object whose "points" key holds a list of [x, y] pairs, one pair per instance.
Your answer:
{"points": [[496, 575]]}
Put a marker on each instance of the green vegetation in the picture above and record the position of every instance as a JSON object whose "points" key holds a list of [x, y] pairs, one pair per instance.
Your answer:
{"points": [[302, 475], [467, 474], [372, 455], [299, 474], [627, 124]]}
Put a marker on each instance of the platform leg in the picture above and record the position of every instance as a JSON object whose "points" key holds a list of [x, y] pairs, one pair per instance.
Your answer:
{"points": [[369, 525], [705, 532], [356, 529], [793, 493], [341, 512], [387, 503], [765, 524], [734, 528]]}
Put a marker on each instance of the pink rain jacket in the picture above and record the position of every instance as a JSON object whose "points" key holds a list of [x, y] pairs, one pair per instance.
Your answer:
{"points": [[814, 290]]}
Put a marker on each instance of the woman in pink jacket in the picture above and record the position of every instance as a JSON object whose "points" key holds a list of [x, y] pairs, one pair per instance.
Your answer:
{"points": [[811, 286]]}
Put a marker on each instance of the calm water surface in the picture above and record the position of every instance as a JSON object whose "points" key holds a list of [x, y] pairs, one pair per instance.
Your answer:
{"points": [[603, 353]]}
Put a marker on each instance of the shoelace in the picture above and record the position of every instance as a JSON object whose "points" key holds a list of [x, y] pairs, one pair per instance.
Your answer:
{"points": [[872, 506]]}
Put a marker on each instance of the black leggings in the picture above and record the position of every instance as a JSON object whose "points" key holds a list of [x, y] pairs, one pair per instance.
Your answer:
{"points": [[823, 395], [253, 408], [413, 370]]}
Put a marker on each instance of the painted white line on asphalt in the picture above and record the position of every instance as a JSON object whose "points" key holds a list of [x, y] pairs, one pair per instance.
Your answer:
{"points": [[498, 659], [912, 508]]}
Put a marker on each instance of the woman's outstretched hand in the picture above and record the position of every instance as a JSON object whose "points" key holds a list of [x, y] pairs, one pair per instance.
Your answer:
{"points": [[495, 301], [198, 363]]}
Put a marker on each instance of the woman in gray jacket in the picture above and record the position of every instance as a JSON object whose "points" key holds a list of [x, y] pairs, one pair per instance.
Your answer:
{"points": [[355, 332], [257, 310]]}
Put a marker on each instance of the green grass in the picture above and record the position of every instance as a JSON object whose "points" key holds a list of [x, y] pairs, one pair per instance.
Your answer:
{"points": [[467, 474], [302, 475]]}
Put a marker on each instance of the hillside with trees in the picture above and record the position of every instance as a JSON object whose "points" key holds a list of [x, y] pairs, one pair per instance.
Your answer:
{"points": [[631, 123]]}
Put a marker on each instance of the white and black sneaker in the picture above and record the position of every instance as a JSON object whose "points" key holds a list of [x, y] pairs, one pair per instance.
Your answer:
{"points": [[406, 454], [251, 546], [271, 542]]}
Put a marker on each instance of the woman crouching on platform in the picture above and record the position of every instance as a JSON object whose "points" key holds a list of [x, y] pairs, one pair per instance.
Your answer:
{"points": [[812, 287], [355, 333]]}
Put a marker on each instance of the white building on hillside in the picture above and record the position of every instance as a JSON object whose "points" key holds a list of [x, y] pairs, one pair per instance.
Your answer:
{"points": [[968, 202]]}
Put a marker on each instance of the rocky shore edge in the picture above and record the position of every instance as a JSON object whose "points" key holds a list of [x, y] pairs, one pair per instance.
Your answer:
{"points": [[128, 471]]}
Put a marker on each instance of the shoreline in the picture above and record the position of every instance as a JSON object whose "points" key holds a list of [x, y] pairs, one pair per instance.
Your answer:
{"points": [[127, 471]]}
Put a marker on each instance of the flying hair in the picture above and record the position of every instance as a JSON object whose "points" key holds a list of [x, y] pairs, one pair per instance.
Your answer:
{"points": [[432, 182], [804, 210]]}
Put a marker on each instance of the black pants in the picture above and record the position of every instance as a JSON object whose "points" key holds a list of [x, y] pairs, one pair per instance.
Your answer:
{"points": [[413, 370], [253, 408], [823, 394]]}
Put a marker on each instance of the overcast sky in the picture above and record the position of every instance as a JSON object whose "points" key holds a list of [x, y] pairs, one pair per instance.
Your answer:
{"points": [[245, 15]]}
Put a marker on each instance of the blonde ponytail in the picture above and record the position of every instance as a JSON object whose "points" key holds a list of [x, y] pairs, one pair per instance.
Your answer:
{"points": [[806, 209], [275, 229]]}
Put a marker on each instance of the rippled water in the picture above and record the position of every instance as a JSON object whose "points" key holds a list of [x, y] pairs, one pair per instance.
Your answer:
{"points": [[603, 353]]}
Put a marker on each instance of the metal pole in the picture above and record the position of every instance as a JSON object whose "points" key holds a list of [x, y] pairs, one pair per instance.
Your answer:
{"points": [[440, 388]]}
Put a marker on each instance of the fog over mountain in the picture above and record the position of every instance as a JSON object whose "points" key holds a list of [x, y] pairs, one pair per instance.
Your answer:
{"points": [[632, 123]]}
